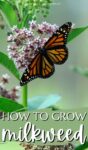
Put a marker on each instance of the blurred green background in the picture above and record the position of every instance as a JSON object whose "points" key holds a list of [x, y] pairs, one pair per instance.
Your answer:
{"points": [[70, 86], [10, 145]]}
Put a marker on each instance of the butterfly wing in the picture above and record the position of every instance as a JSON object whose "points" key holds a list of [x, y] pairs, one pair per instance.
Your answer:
{"points": [[56, 46], [39, 67], [47, 67], [58, 55]]}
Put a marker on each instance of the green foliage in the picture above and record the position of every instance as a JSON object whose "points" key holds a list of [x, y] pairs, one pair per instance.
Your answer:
{"points": [[8, 63], [8, 105], [32, 7], [24, 21], [82, 147], [81, 71], [78, 70], [8, 13], [2, 25], [76, 32], [19, 12]]}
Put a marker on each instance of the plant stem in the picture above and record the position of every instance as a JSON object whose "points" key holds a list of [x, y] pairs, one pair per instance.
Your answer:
{"points": [[24, 95]]}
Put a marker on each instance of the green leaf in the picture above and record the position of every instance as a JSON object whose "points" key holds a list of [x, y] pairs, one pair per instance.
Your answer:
{"points": [[76, 32], [82, 147], [8, 105], [8, 63], [9, 13], [81, 71]]}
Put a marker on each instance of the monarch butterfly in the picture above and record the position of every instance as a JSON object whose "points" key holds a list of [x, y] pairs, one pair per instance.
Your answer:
{"points": [[53, 52]]}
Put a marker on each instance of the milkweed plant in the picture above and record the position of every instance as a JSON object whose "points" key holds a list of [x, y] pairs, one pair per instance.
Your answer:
{"points": [[23, 46], [24, 37]]}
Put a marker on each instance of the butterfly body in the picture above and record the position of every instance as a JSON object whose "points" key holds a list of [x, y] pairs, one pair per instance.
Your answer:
{"points": [[42, 51], [53, 52]]}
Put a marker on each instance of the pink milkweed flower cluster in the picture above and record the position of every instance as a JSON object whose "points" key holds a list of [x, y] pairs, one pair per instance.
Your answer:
{"points": [[11, 94], [24, 43]]}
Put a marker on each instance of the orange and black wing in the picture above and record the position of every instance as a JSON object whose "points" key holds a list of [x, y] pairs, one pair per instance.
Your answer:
{"points": [[56, 46], [59, 38], [47, 67], [39, 67], [58, 55], [56, 52]]}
